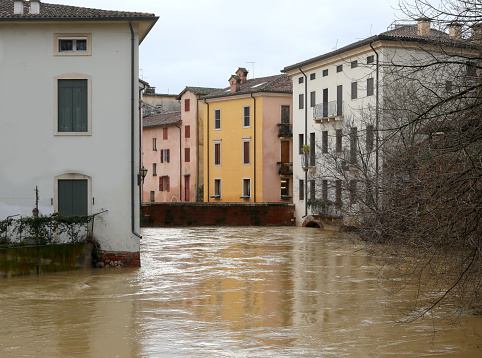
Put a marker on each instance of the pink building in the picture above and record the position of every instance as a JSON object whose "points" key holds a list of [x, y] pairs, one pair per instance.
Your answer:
{"points": [[173, 150]]}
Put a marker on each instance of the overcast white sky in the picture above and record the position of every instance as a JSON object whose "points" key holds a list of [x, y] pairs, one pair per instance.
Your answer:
{"points": [[202, 42]]}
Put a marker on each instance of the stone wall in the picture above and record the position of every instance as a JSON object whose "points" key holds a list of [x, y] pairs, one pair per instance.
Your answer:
{"points": [[219, 214]]}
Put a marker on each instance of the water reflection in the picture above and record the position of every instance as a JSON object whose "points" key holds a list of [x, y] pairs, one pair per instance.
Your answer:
{"points": [[223, 292]]}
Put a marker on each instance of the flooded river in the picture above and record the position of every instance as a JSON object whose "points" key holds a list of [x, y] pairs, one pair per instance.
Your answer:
{"points": [[225, 292]]}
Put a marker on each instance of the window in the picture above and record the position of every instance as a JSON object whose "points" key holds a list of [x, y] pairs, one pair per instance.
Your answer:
{"points": [[301, 101], [339, 68], [354, 64], [246, 116], [187, 155], [72, 105], [187, 188], [154, 169], [301, 79], [471, 69], [370, 59], [217, 153], [164, 133], [353, 144], [312, 76], [187, 132], [246, 188], [338, 191], [339, 140], [325, 73], [300, 143], [312, 189], [354, 90], [285, 114], [449, 86], [324, 190], [301, 188], [73, 44], [165, 154], [187, 105], [369, 138], [164, 183], [246, 151], [312, 99], [312, 149], [73, 197], [370, 86], [154, 144], [285, 188], [324, 142], [153, 196], [352, 192], [217, 119], [217, 188]]}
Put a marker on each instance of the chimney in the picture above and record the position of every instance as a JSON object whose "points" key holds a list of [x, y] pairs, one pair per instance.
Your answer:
{"points": [[18, 7], [234, 82], [242, 73], [34, 7], [423, 27], [455, 31]]}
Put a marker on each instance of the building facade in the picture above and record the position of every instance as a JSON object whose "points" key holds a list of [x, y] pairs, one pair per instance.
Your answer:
{"points": [[76, 137], [338, 121], [248, 140]]}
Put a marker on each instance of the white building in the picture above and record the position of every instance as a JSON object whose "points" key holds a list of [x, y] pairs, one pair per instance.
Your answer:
{"points": [[69, 118], [337, 100]]}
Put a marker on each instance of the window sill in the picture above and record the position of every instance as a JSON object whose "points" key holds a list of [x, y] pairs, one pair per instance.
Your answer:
{"points": [[245, 197], [215, 197]]}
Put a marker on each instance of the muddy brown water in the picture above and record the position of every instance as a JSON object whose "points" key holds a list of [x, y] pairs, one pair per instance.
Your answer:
{"points": [[226, 292]]}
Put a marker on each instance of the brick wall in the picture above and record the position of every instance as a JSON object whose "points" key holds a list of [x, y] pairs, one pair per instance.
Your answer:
{"points": [[219, 214]]}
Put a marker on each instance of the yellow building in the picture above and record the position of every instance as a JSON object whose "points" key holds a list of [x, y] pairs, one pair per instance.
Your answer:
{"points": [[248, 140]]}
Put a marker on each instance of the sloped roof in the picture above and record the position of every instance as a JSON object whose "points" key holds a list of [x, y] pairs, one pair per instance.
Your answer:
{"points": [[162, 119], [273, 84], [407, 33], [198, 91], [54, 12]]}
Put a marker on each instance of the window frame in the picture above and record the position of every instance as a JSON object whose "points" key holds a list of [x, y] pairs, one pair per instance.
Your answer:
{"points": [[217, 121], [187, 131], [217, 187], [246, 149], [370, 86], [72, 36], [217, 160], [247, 118], [187, 104], [187, 155], [246, 195], [88, 132], [154, 144], [312, 76], [312, 98], [325, 72], [354, 90], [301, 101]]}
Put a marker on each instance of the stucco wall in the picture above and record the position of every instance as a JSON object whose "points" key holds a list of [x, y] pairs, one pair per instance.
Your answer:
{"points": [[32, 155]]}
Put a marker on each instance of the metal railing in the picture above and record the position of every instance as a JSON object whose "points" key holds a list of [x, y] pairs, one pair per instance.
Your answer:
{"points": [[285, 168], [285, 130], [328, 109]]}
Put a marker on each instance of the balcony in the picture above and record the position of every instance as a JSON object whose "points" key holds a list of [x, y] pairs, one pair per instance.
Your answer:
{"points": [[285, 168], [285, 130], [328, 110]]}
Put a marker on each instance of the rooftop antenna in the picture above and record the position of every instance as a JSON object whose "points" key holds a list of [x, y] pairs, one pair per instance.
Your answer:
{"points": [[252, 64]]}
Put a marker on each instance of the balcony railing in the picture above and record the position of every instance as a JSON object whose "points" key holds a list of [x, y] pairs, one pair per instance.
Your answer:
{"points": [[285, 130], [285, 168], [328, 109]]}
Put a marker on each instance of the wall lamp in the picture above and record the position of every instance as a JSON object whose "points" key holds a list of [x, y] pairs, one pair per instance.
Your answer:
{"points": [[142, 174]]}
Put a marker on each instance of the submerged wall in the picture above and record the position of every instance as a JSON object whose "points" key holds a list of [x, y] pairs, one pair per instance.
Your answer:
{"points": [[50, 258], [224, 214]]}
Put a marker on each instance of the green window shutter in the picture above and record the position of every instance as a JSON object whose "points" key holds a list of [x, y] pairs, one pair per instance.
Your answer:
{"points": [[72, 106], [72, 197]]}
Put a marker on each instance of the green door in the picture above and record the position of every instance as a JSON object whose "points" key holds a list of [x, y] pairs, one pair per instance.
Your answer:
{"points": [[73, 197]]}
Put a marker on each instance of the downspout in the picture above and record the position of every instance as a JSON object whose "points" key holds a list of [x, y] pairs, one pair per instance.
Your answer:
{"points": [[197, 145], [306, 140], [180, 165], [207, 146], [254, 147], [141, 154], [133, 118], [377, 118]]}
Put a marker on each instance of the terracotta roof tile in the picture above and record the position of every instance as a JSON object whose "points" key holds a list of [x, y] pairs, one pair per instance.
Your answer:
{"points": [[198, 91], [274, 84], [162, 119], [53, 11]]}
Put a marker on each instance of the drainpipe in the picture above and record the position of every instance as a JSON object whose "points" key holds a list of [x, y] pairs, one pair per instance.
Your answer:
{"points": [[133, 118], [306, 140], [377, 118], [207, 146], [180, 165], [254, 147], [197, 145], [141, 154]]}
